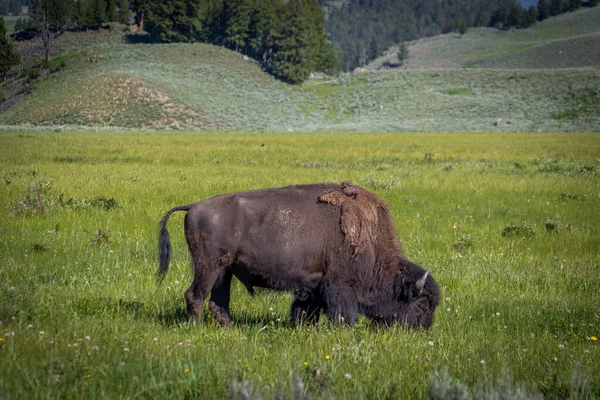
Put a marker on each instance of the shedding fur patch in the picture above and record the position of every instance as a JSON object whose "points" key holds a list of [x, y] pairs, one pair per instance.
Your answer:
{"points": [[359, 215]]}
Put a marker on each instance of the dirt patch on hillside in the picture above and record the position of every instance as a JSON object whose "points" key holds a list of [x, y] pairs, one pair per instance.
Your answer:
{"points": [[115, 100]]}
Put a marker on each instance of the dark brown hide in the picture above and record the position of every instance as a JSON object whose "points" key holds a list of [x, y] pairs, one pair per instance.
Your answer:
{"points": [[333, 245]]}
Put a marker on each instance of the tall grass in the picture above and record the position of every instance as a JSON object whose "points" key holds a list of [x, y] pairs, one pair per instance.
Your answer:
{"points": [[81, 315]]}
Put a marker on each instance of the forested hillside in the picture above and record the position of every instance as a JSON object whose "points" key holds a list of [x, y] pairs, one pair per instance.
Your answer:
{"points": [[362, 29]]}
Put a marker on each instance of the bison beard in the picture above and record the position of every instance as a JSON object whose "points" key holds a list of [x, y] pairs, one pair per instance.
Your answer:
{"points": [[333, 245]]}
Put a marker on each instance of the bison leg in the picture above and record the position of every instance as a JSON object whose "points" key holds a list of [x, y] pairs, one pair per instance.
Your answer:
{"points": [[305, 308], [341, 305], [198, 291], [219, 298]]}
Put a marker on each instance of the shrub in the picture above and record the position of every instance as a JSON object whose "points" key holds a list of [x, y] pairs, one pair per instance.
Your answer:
{"points": [[523, 230], [448, 167], [35, 200], [101, 236], [463, 242], [33, 73], [552, 225]]}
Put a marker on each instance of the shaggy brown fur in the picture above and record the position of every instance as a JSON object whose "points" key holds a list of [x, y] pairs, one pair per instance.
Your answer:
{"points": [[358, 214]]}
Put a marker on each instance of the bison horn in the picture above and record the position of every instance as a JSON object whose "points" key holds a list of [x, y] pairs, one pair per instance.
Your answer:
{"points": [[421, 282]]}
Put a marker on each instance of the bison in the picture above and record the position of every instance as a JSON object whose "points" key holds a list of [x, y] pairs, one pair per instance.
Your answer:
{"points": [[333, 245]]}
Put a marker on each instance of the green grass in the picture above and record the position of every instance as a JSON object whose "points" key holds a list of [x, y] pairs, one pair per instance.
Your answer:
{"points": [[82, 317]]}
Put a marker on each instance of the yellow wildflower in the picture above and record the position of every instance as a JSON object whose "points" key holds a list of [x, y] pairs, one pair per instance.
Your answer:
{"points": [[305, 364], [594, 338], [327, 357]]}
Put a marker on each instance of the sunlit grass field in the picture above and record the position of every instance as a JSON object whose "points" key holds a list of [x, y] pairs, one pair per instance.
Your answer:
{"points": [[508, 224]]}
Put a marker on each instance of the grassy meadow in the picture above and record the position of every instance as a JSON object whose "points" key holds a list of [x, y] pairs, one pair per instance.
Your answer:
{"points": [[507, 224]]}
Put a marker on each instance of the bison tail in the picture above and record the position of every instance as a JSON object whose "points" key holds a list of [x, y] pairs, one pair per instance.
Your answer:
{"points": [[164, 242]]}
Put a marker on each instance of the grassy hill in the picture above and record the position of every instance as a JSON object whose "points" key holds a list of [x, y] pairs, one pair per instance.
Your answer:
{"points": [[565, 41], [111, 83]]}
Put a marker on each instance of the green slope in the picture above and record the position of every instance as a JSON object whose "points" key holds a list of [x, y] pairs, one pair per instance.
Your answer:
{"points": [[566, 41]]}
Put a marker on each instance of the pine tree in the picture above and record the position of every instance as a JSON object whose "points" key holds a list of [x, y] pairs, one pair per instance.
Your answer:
{"points": [[238, 15], [499, 18], [174, 20], [402, 53], [320, 51], [78, 16], [290, 61], [462, 27], [573, 5], [531, 16], [124, 13], [140, 8], [111, 11], [373, 48], [515, 17], [8, 56], [263, 23], [555, 7], [98, 11], [543, 10]]}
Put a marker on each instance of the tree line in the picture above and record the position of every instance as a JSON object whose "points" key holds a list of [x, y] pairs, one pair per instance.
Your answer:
{"points": [[10, 7], [287, 37], [511, 16]]}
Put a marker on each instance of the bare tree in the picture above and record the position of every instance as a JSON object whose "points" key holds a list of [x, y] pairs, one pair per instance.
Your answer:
{"points": [[50, 17]]}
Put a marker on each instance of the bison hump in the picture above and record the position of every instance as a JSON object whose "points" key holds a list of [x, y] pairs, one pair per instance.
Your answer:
{"points": [[358, 214]]}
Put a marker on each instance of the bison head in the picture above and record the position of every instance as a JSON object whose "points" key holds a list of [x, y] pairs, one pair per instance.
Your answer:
{"points": [[416, 295]]}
